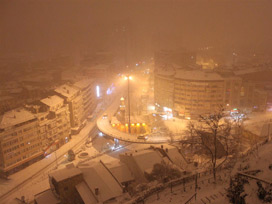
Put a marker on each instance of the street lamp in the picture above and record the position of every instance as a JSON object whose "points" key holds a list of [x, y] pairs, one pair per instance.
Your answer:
{"points": [[128, 78]]}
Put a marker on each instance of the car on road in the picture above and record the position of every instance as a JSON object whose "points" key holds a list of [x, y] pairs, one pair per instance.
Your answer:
{"points": [[142, 137], [71, 155], [105, 116]]}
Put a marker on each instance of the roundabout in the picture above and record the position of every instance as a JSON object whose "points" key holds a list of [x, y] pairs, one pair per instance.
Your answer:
{"points": [[104, 126]]}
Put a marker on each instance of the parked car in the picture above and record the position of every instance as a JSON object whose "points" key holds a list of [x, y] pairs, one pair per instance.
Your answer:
{"points": [[71, 155]]}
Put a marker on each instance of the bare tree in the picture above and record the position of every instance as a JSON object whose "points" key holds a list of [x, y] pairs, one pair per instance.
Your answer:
{"points": [[238, 124], [213, 132], [190, 130]]}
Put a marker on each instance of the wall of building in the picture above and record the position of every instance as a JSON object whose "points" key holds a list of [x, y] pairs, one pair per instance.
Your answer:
{"points": [[20, 144], [197, 97]]}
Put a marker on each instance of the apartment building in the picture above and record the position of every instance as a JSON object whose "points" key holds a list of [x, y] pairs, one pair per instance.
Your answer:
{"points": [[190, 92], [20, 141], [164, 88], [89, 99], [197, 92], [72, 96], [54, 122]]}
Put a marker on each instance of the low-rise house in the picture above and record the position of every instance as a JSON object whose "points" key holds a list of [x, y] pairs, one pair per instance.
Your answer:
{"points": [[63, 182], [140, 162], [99, 182], [174, 155], [46, 197], [121, 172]]}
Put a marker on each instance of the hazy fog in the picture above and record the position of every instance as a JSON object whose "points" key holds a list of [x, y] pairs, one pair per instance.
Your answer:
{"points": [[67, 26]]}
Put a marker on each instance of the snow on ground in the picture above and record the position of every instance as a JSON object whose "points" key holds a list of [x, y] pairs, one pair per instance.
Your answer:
{"points": [[176, 125], [207, 191], [258, 123], [259, 159]]}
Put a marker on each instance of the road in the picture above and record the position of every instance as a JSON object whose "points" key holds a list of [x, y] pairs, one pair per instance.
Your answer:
{"points": [[104, 126]]}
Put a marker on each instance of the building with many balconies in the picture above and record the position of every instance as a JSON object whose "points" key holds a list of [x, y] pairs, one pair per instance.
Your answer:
{"points": [[54, 122], [197, 92], [191, 92], [73, 98], [20, 141], [87, 91]]}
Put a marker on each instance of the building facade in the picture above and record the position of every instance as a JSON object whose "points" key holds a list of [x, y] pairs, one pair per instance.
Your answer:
{"points": [[20, 141], [197, 92], [73, 98], [87, 92], [191, 92], [164, 89], [54, 122]]}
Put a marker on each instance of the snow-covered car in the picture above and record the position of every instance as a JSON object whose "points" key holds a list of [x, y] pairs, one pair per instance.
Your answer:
{"points": [[142, 137]]}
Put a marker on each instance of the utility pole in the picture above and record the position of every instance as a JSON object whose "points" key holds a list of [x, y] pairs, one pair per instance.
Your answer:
{"points": [[129, 130], [56, 159]]}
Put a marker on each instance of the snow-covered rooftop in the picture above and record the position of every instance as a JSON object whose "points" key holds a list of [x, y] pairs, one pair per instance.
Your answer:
{"points": [[65, 173], [86, 195], [66, 90], [176, 157], [146, 159], [15, 117], [46, 197], [98, 177], [52, 100], [83, 83], [120, 171]]}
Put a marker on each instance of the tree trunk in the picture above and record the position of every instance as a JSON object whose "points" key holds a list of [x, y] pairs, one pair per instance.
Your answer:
{"points": [[215, 156], [214, 172]]}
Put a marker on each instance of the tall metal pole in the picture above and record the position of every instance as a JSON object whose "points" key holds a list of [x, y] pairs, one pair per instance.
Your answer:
{"points": [[129, 131], [56, 159]]}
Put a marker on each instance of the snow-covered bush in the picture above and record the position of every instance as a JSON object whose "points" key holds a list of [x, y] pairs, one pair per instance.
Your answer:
{"points": [[235, 192], [264, 194], [163, 172]]}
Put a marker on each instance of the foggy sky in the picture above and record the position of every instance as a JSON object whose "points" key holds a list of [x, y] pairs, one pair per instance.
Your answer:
{"points": [[61, 26]]}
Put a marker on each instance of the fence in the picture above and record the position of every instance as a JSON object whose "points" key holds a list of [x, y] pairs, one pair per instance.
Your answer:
{"points": [[187, 182], [200, 178], [191, 199]]}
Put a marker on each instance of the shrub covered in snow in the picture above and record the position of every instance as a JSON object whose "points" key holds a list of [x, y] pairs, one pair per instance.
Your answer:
{"points": [[236, 192], [163, 172], [264, 194]]}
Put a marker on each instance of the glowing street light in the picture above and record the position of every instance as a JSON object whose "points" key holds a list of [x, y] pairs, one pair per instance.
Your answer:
{"points": [[128, 78]]}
